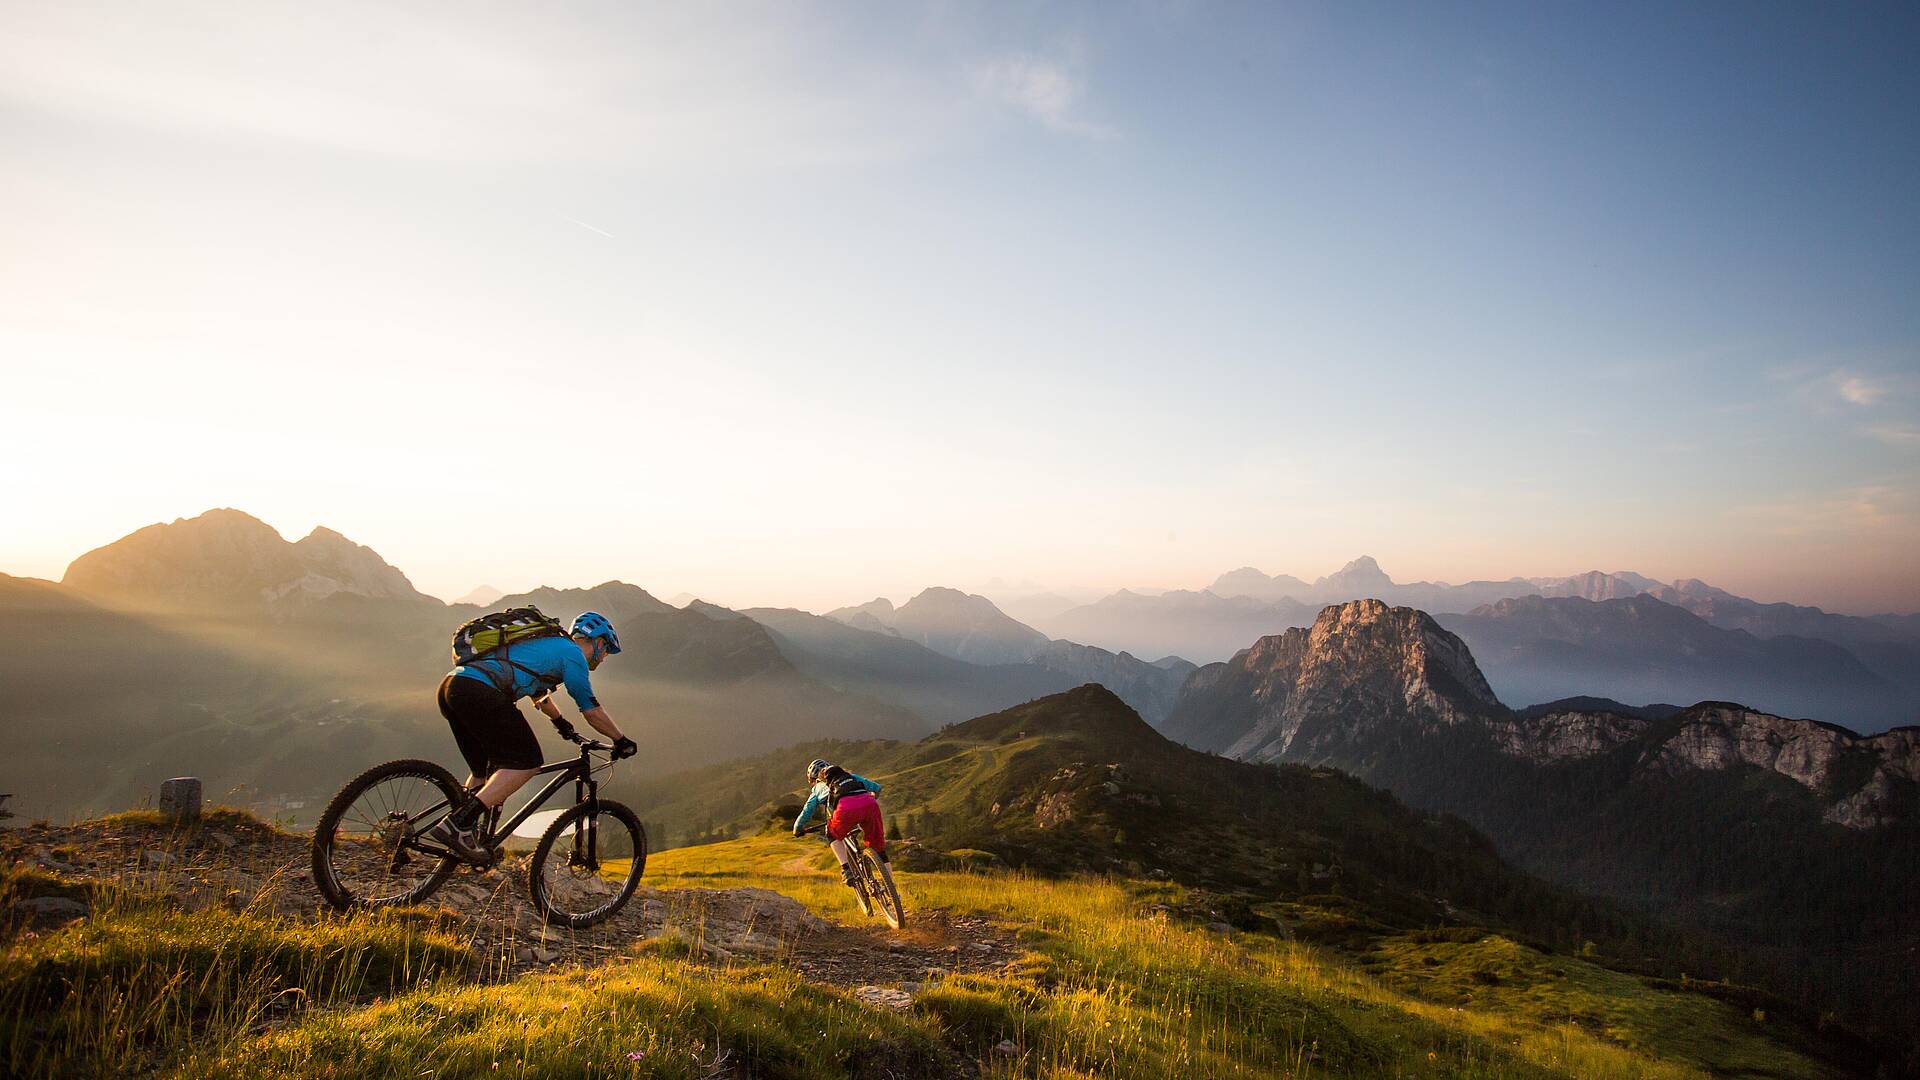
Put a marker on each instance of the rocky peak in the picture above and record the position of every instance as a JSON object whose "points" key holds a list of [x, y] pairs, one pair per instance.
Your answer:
{"points": [[1321, 693], [222, 556], [225, 558], [1359, 577], [336, 564]]}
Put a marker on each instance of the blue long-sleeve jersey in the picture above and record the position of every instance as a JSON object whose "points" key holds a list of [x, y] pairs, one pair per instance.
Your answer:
{"points": [[823, 792]]}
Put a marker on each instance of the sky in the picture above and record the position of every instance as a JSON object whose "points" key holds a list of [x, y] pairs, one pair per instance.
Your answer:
{"points": [[798, 304]]}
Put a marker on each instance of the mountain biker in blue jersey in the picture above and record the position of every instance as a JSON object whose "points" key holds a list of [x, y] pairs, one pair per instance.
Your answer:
{"points": [[477, 699], [852, 800]]}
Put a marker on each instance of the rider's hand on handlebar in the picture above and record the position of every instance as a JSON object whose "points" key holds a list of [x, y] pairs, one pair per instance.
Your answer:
{"points": [[624, 747], [566, 730]]}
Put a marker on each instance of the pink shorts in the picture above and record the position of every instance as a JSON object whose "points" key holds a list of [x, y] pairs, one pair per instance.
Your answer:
{"points": [[861, 810]]}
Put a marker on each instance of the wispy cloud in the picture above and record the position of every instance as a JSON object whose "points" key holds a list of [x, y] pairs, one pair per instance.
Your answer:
{"points": [[1048, 90], [1897, 436], [654, 87], [1847, 511], [1860, 391], [591, 228]]}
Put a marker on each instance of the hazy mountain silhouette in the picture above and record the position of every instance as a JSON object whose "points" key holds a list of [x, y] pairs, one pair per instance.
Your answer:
{"points": [[229, 653], [951, 623], [482, 596], [909, 657], [1202, 626], [1643, 649]]}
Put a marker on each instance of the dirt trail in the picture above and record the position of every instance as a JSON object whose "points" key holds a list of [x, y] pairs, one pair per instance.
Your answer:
{"points": [[240, 864]]}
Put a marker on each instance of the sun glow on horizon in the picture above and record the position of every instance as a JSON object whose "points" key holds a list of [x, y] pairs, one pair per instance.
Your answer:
{"points": [[809, 305]]}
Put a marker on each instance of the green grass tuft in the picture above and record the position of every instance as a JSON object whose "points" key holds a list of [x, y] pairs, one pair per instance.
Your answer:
{"points": [[648, 1017], [138, 984]]}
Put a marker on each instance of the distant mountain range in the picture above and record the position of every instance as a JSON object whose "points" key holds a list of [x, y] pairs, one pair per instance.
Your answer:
{"points": [[212, 646], [1788, 835], [1561, 636], [272, 669]]}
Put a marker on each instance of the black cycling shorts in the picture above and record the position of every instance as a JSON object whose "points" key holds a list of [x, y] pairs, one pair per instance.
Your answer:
{"points": [[491, 732]]}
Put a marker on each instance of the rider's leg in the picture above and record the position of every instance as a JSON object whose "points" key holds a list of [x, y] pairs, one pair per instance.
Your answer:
{"points": [[845, 854], [502, 784], [497, 743]]}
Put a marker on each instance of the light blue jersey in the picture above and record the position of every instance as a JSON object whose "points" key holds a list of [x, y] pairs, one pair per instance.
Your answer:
{"points": [[556, 661], [823, 792]]}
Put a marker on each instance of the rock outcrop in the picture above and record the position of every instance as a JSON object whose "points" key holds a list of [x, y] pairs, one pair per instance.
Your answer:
{"points": [[1565, 735], [1867, 781]]}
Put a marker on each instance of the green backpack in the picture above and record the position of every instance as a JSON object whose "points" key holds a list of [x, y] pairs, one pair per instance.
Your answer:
{"points": [[491, 636]]}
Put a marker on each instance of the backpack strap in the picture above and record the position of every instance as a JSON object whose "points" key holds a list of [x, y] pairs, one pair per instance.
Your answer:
{"points": [[507, 689]]}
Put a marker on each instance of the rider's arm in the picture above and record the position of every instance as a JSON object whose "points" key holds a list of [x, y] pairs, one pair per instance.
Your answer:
{"points": [[601, 722], [871, 785], [573, 675], [547, 708], [806, 812]]}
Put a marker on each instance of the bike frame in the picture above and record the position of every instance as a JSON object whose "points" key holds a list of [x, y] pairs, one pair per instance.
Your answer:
{"points": [[586, 790]]}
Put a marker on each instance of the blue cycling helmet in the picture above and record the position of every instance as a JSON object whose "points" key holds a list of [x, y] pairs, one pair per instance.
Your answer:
{"points": [[816, 767], [592, 624]]}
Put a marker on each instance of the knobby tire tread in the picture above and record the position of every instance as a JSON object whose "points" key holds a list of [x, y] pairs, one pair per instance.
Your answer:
{"points": [[535, 889]]}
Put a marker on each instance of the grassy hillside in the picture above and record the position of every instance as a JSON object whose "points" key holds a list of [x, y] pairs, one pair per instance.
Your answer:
{"points": [[1077, 783], [1101, 976]]}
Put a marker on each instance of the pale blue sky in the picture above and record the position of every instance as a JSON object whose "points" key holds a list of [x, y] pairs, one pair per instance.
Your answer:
{"points": [[821, 302]]}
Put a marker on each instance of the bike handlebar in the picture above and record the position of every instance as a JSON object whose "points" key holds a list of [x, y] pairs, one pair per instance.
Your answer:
{"points": [[585, 743]]}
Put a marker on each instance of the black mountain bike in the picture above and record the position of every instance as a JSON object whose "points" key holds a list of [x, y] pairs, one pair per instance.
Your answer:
{"points": [[371, 848], [873, 879]]}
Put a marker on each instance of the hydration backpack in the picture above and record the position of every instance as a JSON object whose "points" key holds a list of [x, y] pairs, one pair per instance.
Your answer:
{"points": [[491, 637], [840, 784]]}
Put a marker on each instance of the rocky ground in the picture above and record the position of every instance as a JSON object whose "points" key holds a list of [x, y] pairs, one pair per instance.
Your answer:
{"points": [[242, 864]]}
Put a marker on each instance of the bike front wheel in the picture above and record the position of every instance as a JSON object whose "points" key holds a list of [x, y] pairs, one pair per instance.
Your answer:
{"points": [[364, 848], [577, 878]]}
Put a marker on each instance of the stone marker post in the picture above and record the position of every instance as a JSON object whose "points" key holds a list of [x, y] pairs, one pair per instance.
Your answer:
{"points": [[180, 799]]}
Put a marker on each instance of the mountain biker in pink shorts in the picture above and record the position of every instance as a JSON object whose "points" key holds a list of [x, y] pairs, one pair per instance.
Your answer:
{"points": [[853, 800]]}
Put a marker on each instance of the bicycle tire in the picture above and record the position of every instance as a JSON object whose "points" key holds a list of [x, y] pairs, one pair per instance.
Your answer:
{"points": [[537, 890], [862, 884], [884, 892], [326, 834]]}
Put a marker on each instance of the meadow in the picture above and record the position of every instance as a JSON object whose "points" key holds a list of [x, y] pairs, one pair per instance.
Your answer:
{"points": [[1110, 979]]}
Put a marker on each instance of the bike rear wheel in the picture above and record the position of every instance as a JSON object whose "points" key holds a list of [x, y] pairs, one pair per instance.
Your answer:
{"points": [[365, 847], [567, 878], [879, 883]]}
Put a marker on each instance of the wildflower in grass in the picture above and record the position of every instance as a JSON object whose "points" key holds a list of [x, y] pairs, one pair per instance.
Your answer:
{"points": [[636, 1055]]}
